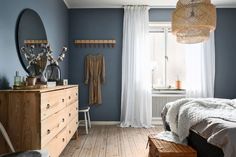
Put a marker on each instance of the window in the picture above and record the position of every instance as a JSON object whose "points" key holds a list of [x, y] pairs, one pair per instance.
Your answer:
{"points": [[168, 57]]}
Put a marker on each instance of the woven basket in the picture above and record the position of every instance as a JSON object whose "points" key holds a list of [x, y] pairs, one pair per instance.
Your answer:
{"points": [[160, 148]]}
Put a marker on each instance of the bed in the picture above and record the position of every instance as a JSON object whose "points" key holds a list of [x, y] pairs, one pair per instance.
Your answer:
{"points": [[213, 135], [203, 148], [200, 144]]}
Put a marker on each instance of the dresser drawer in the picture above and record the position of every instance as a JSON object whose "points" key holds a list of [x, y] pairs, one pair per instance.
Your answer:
{"points": [[51, 126], [71, 95], [72, 127], [72, 111], [52, 102], [57, 144]]}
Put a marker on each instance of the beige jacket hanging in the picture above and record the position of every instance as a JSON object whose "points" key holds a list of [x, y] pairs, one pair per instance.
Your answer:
{"points": [[94, 77]]}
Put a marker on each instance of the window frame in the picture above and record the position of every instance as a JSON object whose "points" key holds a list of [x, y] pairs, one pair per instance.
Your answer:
{"points": [[164, 27]]}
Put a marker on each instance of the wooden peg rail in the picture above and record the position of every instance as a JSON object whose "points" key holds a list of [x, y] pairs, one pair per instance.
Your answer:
{"points": [[96, 43], [35, 42]]}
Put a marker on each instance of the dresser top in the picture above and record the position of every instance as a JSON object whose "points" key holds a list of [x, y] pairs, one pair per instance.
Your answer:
{"points": [[42, 90]]}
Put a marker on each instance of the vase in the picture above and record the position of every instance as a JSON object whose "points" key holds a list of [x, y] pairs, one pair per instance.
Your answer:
{"points": [[178, 84], [31, 81], [53, 72], [42, 78]]}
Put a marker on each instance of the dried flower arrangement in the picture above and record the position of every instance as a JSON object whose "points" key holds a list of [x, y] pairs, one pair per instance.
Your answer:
{"points": [[37, 57]]}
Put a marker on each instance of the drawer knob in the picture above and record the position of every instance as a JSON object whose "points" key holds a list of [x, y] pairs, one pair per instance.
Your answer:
{"points": [[76, 108], [48, 106], [69, 132], [69, 97], [62, 100], [48, 131], [76, 122], [76, 94], [63, 140], [63, 120], [69, 114]]}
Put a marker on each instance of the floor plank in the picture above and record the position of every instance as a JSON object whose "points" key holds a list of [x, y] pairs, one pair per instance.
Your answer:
{"points": [[110, 141]]}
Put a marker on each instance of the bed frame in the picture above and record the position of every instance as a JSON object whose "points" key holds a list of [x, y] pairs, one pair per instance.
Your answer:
{"points": [[203, 148]]}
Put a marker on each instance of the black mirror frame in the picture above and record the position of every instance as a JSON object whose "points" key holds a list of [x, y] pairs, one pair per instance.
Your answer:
{"points": [[17, 36]]}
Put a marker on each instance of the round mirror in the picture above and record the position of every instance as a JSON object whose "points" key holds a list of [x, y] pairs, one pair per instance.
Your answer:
{"points": [[30, 35]]}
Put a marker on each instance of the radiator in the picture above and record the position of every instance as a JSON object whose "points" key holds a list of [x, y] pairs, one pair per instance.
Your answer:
{"points": [[158, 103]]}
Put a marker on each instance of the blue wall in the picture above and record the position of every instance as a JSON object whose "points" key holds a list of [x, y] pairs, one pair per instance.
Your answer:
{"points": [[54, 15], [163, 15], [107, 23], [97, 24], [225, 83], [103, 24]]}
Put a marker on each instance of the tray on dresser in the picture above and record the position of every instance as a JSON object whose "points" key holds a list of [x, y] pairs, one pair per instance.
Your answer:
{"points": [[39, 86]]}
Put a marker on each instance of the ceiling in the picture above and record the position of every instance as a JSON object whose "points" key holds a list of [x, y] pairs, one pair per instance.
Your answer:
{"points": [[152, 3]]}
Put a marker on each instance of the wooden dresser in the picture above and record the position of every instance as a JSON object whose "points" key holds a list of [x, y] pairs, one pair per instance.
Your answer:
{"points": [[39, 119]]}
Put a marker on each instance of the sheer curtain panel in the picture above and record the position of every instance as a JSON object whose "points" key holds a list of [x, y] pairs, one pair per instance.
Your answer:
{"points": [[136, 101], [200, 69]]}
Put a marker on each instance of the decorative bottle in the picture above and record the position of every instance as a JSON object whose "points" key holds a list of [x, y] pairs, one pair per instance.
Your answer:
{"points": [[17, 79]]}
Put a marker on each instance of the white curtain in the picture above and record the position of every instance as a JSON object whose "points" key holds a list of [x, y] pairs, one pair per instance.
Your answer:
{"points": [[136, 104], [200, 69]]}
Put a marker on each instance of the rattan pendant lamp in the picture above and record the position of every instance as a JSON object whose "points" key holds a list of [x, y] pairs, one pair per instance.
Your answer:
{"points": [[193, 20]]}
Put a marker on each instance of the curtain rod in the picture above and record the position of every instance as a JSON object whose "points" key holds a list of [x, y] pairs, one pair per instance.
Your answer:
{"points": [[153, 6]]}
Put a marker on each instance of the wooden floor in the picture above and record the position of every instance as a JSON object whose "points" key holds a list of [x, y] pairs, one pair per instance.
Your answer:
{"points": [[110, 141]]}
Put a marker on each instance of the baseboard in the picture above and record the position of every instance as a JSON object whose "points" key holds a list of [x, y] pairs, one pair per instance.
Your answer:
{"points": [[105, 122], [157, 121]]}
